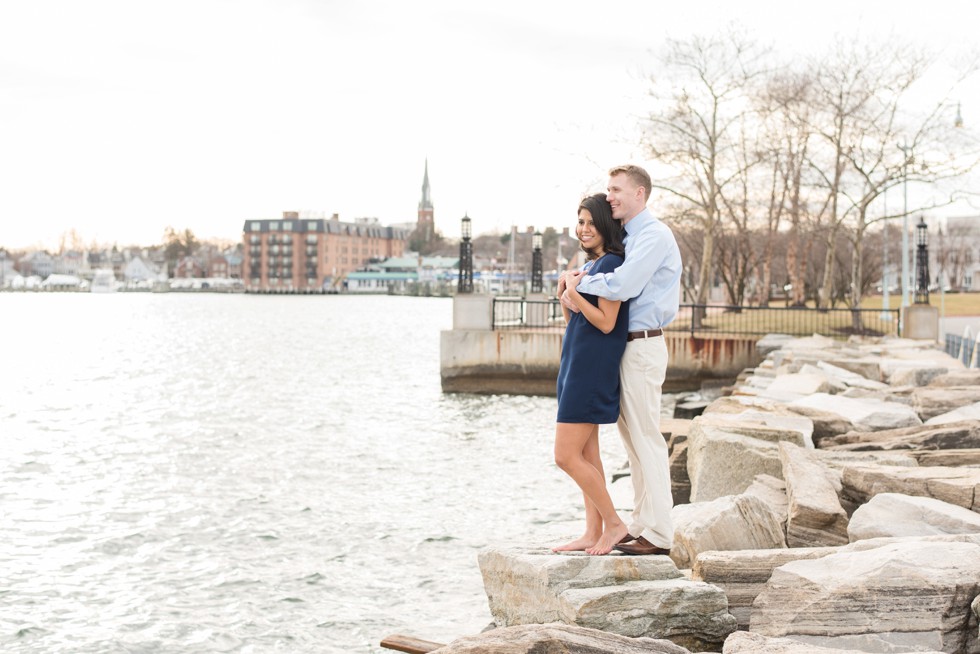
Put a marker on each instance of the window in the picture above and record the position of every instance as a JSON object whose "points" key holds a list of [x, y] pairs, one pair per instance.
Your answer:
{"points": [[255, 226], [287, 226], [311, 225]]}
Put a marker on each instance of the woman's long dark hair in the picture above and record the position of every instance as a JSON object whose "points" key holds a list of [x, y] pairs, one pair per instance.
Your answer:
{"points": [[608, 227]]}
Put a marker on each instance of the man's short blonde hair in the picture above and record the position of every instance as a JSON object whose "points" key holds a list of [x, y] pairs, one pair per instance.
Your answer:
{"points": [[637, 175]]}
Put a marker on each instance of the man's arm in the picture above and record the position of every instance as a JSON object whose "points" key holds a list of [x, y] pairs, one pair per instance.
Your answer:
{"points": [[645, 257]]}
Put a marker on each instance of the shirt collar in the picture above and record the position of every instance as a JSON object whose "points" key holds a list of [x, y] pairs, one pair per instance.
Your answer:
{"points": [[638, 221]]}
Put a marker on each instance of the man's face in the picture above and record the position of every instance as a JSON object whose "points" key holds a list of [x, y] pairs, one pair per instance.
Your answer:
{"points": [[626, 198]]}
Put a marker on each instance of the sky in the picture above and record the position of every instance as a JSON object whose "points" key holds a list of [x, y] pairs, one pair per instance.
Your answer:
{"points": [[121, 118]]}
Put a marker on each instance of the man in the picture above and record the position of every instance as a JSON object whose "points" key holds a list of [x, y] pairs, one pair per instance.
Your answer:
{"points": [[650, 277]]}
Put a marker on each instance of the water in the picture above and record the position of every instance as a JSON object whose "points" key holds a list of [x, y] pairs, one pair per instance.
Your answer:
{"points": [[230, 473]]}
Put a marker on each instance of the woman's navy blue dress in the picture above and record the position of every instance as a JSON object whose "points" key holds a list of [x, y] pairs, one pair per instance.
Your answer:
{"points": [[588, 377]]}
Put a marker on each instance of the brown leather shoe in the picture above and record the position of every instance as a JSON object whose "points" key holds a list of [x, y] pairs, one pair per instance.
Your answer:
{"points": [[625, 539], [641, 547]]}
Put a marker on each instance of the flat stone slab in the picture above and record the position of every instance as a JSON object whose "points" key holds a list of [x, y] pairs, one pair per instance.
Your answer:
{"points": [[746, 642], [906, 595], [816, 517], [959, 486], [894, 514], [556, 637], [629, 595], [866, 414], [732, 522], [969, 412]]}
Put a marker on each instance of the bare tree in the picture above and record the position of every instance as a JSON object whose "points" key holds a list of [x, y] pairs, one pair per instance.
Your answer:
{"points": [[693, 131]]}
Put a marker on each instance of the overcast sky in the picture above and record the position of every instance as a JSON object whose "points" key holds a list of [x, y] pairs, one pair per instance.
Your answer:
{"points": [[119, 118]]}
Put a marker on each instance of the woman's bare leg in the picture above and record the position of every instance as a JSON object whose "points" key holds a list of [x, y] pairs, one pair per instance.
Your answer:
{"points": [[593, 519], [571, 443]]}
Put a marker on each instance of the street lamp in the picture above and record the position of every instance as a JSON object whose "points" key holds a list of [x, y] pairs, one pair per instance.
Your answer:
{"points": [[537, 283], [885, 305], [465, 257], [921, 262]]}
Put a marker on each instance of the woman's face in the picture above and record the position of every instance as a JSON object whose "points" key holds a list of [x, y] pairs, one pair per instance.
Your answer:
{"points": [[586, 232]]}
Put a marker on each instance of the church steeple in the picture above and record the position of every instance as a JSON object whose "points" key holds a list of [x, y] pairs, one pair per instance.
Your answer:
{"points": [[425, 228], [426, 201]]}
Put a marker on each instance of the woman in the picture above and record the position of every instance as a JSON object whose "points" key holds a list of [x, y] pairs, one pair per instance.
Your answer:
{"points": [[588, 379]]}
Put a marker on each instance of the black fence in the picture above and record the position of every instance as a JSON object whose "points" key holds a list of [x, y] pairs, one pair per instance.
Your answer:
{"points": [[963, 348], [705, 320]]}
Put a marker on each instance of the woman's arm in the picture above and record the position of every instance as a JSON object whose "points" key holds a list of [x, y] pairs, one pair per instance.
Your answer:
{"points": [[602, 317]]}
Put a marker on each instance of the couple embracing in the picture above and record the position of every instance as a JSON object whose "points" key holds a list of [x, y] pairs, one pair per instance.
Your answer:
{"points": [[614, 360]]}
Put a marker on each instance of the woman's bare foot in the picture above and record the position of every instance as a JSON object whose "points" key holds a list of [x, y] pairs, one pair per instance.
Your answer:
{"points": [[610, 537], [579, 544]]}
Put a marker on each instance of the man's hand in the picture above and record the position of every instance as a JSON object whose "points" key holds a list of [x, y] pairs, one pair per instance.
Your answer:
{"points": [[572, 280]]}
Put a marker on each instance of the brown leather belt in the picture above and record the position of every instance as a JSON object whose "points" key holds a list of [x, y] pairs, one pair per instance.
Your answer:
{"points": [[646, 333]]}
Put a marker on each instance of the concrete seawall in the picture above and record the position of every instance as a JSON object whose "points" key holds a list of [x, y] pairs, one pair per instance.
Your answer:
{"points": [[525, 362]]}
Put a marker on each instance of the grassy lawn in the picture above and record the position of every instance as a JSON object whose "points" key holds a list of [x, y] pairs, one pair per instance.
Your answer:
{"points": [[837, 322], [953, 304]]}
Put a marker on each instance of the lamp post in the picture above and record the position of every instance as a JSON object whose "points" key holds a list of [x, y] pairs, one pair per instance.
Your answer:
{"points": [[907, 151], [921, 262], [465, 257], [885, 305], [537, 281]]}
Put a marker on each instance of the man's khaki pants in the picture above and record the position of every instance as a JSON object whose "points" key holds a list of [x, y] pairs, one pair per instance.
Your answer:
{"points": [[641, 374]]}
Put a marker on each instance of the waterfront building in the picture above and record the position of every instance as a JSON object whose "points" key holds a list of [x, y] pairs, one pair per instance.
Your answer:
{"points": [[303, 255], [39, 264]]}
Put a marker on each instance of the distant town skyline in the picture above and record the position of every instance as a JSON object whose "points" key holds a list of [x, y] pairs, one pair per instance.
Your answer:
{"points": [[120, 119]]}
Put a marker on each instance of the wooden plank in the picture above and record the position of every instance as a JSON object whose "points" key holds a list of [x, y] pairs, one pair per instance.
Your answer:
{"points": [[409, 644]]}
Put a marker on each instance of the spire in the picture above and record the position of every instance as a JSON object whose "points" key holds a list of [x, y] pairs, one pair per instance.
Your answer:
{"points": [[426, 201]]}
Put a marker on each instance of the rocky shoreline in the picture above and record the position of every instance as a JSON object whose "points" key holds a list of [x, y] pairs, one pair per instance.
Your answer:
{"points": [[829, 501]]}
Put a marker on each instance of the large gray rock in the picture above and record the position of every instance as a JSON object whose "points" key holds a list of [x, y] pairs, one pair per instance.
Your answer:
{"points": [[894, 514], [959, 486], [733, 522], [746, 642], [848, 378], [631, 596], [932, 402], [915, 376], [692, 614], [969, 412], [726, 452], [742, 574], [969, 377], [909, 595], [948, 458], [953, 435], [865, 414], [816, 517], [556, 638]]}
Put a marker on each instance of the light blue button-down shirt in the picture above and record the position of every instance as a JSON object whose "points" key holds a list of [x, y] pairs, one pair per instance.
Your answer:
{"points": [[650, 275]]}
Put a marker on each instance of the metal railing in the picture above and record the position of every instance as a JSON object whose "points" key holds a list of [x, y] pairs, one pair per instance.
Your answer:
{"points": [[965, 348], [705, 320]]}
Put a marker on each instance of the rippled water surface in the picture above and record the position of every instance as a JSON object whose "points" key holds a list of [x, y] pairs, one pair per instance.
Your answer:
{"points": [[231, 473]]}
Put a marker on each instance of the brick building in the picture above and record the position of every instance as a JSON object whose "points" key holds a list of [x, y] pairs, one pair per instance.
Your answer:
{"points": [[303, 255]]}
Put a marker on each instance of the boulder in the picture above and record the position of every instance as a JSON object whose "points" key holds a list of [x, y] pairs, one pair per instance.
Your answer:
{"points": [[816, 517], [970, 377], [932, 402], [915, 376], [825, 423], [947, 458], [865, 414], [954, 435], [746, 642], [628, 595], [959, 486], [733, 522], [772, 491], [556, 637], [723, 460], [799, 385], [848, 378], [680, 483], [894, 514], [742, 574], [968, 412], [909, 595]]}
